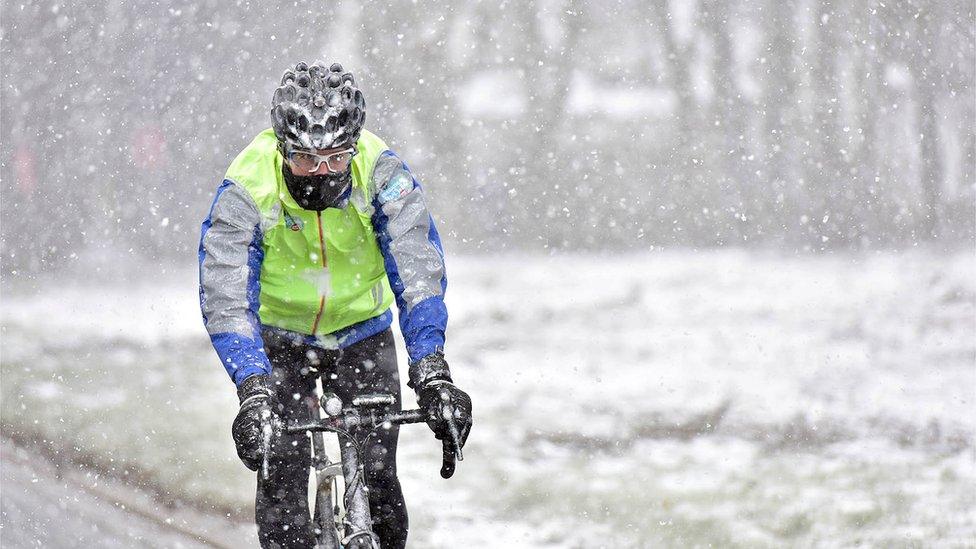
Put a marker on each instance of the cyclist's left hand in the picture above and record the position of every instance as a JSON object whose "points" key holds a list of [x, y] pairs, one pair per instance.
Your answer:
{"points": [[446, 407], [444, 403]]}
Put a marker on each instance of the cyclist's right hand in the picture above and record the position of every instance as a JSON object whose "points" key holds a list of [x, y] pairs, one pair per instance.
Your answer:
{"points": [[256, 423]]}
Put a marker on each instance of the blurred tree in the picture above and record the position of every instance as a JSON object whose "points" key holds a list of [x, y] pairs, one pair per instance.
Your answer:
{"points": [[741, 195], [534, 123], [929, 87], [781, 123]]}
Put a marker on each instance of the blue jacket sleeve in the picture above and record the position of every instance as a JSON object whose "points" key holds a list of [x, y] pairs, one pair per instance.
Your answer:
{"points": [[412, 253], [230, 258]]}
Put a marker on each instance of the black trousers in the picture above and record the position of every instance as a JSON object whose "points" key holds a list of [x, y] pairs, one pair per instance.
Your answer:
{"points": [[281, 506]]}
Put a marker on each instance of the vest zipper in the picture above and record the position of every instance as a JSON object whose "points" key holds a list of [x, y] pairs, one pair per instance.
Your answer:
{"points": [[318, 316]]}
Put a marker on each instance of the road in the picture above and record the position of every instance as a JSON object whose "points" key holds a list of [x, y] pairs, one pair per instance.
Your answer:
{"points": [[78, 509]]}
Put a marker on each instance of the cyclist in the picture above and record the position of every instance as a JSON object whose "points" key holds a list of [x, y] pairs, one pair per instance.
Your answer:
{"points": [[315, 230]]}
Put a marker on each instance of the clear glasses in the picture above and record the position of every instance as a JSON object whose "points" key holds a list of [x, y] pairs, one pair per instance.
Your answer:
{"points": [[310, 162]]}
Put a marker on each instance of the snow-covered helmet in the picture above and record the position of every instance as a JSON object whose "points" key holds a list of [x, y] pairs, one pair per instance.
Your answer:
{"points": [[317, 107]]}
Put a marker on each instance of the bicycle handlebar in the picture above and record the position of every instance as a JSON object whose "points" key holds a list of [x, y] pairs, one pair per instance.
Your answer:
{"points": [[353, 418], [364, 413]]}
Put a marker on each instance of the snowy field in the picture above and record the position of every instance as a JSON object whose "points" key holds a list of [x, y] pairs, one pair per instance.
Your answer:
{"points": [[730, 399]]}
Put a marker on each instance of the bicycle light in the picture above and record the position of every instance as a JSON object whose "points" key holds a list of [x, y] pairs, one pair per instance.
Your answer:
{"points": [[332, 404]]}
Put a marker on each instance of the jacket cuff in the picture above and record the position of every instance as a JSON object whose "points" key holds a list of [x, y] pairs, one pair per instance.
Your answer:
{"points": [[431, 367], [255, 385]]}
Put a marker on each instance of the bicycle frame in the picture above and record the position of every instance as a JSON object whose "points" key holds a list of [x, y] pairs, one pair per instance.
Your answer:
{"points": [[326, 508], [362, 416], [367, 413]]}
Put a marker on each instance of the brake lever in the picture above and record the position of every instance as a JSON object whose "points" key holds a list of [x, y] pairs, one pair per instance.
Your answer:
{"points": [[448, 462], [266, 433], [269, 429], [455, 435], [450, 455]]}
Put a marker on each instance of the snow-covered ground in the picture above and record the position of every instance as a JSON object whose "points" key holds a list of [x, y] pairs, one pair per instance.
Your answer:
{"points": [[667, 399], [50, 504]]}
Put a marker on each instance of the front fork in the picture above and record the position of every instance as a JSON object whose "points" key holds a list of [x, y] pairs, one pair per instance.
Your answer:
{"points": [[357, 524], [325, 510]]}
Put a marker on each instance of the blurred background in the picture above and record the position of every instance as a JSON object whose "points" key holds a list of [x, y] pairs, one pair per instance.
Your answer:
{"points": [[712, 262], [536, 124]]}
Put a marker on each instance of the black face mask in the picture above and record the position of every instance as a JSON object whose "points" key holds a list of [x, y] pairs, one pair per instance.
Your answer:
{"points": [[317, 192]]}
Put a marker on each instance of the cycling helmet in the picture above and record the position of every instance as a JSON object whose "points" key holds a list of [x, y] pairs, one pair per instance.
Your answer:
{"points": [[317, 107]]}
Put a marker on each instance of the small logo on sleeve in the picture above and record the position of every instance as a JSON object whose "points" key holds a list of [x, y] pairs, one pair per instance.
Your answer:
{"points": [[398, 187]]}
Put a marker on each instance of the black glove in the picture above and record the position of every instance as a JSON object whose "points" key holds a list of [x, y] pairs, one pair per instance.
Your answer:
{"points": [[448, 408], [256, 425]]}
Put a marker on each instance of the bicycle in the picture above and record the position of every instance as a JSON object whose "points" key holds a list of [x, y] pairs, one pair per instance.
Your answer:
{"points": [[366, 414]]}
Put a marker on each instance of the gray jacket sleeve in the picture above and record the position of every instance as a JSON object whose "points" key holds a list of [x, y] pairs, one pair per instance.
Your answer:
{"points": [[230, 266], [412, 253]]}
